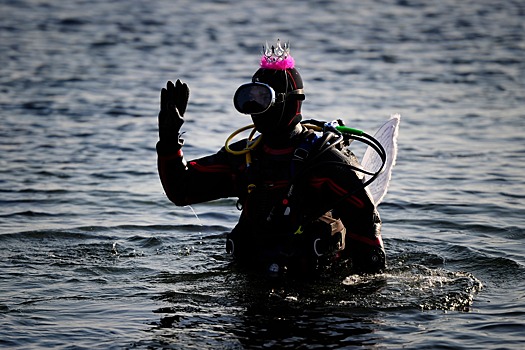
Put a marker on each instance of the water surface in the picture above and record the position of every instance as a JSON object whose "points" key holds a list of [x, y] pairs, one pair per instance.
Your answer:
{"points": [[93, 255]]}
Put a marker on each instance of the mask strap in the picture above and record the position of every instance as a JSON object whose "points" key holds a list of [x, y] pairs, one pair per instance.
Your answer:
{"points": [[283, 96]]}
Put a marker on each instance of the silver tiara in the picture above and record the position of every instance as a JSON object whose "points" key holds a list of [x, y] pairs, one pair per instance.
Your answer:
{"points": [[276, 52]]}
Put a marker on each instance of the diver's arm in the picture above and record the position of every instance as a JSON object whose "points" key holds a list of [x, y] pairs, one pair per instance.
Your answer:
{"points": [[185, 183], [173, 103], [363, 242], [356, 209], [200, 180]]}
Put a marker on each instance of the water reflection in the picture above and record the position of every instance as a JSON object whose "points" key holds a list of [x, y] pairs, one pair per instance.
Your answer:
{"points": [[257, 312], [245, 309]]}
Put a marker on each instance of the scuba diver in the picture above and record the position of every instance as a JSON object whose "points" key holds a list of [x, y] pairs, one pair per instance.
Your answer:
{"points": [[303, 201]]}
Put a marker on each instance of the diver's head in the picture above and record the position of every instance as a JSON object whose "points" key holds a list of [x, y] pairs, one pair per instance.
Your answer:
{"points": [[274, 97]]}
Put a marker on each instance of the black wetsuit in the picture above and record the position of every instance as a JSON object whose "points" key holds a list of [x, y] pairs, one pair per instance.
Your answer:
{"points": [[282, 193]]}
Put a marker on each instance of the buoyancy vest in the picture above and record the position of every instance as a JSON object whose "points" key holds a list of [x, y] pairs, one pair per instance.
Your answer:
{"points": [[272, 220]]}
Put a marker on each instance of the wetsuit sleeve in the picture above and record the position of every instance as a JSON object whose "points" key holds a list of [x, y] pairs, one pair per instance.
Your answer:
{"points": [[363, 243], [200, 180], [340, 186]]}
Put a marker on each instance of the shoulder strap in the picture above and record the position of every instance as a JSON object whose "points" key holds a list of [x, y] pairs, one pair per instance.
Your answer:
{"points": [[302, 152]]}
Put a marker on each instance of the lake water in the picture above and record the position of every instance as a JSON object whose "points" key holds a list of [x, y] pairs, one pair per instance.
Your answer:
{"points": [[93, 255]]}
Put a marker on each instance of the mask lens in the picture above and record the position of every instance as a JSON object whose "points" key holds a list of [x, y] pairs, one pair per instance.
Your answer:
{"points": [[253, 98]]}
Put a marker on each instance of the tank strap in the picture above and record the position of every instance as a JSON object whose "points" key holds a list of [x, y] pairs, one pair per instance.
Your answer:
{"points": [[302, 152]]}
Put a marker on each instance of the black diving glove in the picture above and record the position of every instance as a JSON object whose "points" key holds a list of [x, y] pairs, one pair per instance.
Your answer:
{"points": [[369, 259], [173, 103]]}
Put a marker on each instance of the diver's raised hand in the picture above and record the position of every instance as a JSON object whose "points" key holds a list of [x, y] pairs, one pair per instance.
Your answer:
{"points": [[173, 103]]}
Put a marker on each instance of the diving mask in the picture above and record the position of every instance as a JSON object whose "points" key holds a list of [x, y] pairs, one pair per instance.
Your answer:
{"points": [[257, 98]]}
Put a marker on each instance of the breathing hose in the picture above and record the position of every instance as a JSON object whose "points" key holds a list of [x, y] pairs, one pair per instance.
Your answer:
{"points": [[343, 132]]}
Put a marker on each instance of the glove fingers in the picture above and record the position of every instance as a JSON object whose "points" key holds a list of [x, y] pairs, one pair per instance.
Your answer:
{"points": [[163, 99], [185, 95], [177, 99], [181, 96], [172, 93], [171, 96]]}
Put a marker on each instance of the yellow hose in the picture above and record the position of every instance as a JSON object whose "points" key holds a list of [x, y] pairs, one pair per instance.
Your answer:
{"points": [[250, 144]]}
